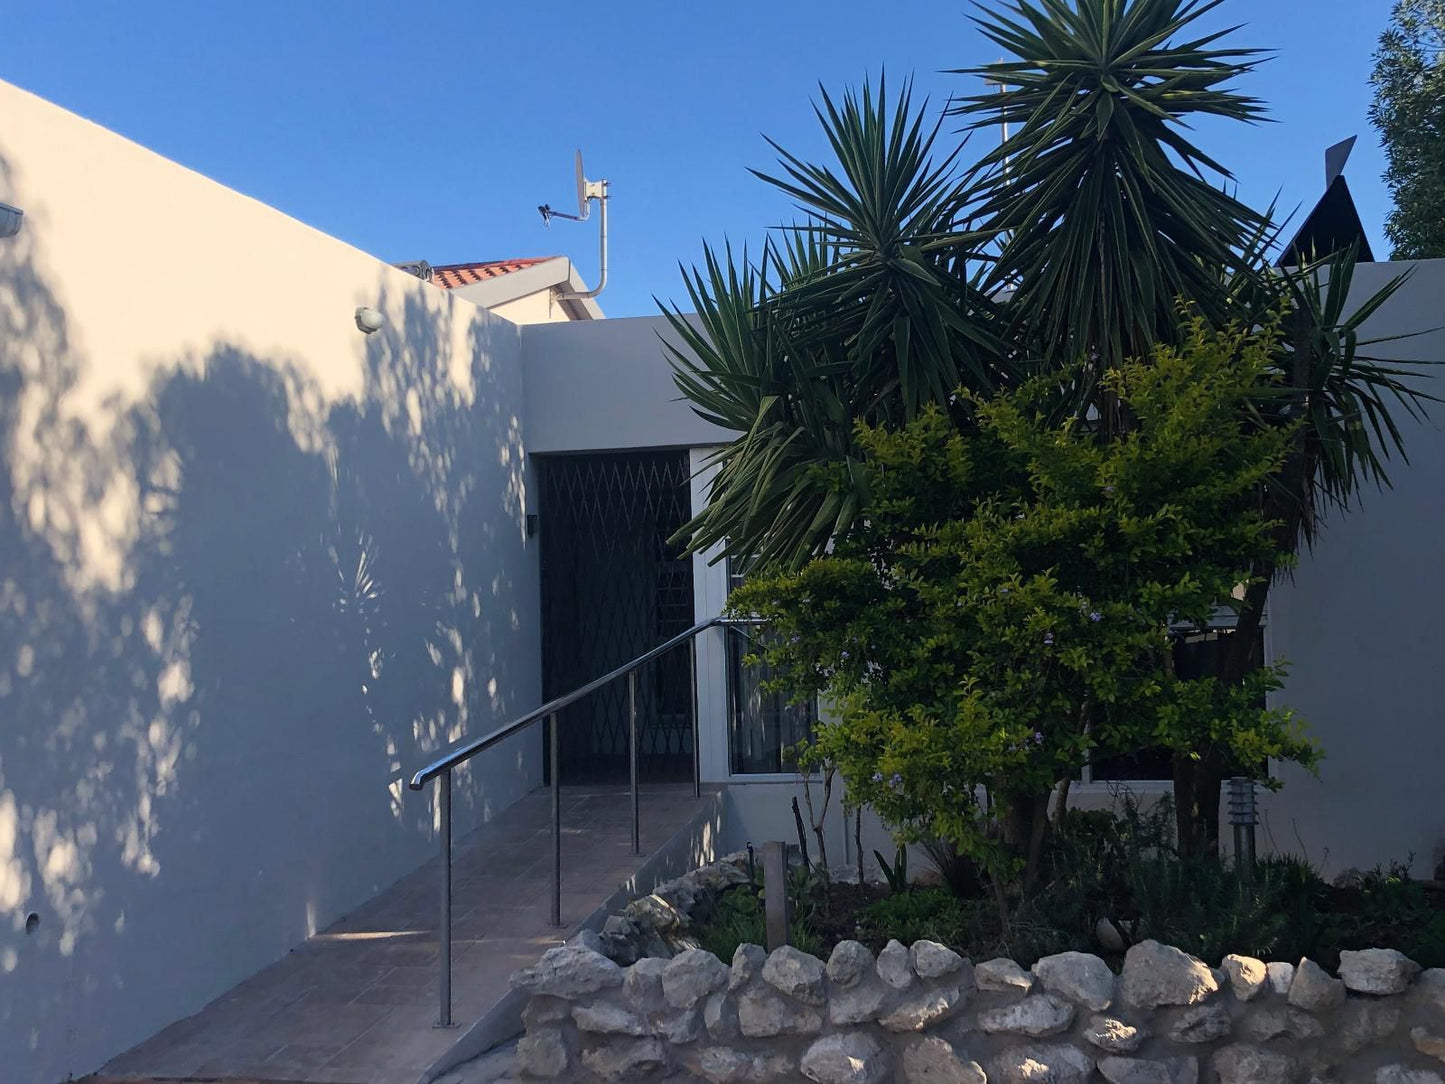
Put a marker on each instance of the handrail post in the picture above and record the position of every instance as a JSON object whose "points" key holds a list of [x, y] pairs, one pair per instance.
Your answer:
{"points": [[632, 758], [444, 947], [696, 752], [556, 822]]}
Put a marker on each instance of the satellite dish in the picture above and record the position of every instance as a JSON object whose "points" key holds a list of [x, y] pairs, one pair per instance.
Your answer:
{"points": [[587, 191]]}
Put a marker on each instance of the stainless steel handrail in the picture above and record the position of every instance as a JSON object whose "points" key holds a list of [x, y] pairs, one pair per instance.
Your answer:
{"points": [[472, 748], [441, 771]]}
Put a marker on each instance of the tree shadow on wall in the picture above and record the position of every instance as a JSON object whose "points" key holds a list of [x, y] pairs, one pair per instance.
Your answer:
{"points": [[232, 616]]}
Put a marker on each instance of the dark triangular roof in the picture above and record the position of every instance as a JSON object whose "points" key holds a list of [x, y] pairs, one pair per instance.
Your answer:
{"points": [[1334, 224]]}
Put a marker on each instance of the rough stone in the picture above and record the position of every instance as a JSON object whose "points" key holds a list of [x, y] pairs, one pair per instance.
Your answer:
{"points": [[933, 1060], [1240, 1063], [690, 976], [604, 1018], [542, 1053], [625, 1061], [1201, 1024], [1179, 1070], [677, 1027], [1003, 975], [1430, 987], [1364, 1023], [923, 1009], [1247, 975], [748, 961], [655, 912], [1108, 936], [1313, 990], [1403, 1074], [589, 939], [1376, 971], [795, 973], [1156, 974], [1036, 1015], [542, 1010], [850, 961], [894, 966], [933, 961], [1113, 1035], [721, 1065], [853, 1057], [1276, 1022], [857, 1004], [568, 971], [762, 1014], [1078, 976], [1427, 1043], [642, 984], [1045, 1063], [1280, 976], [720, 1017]]}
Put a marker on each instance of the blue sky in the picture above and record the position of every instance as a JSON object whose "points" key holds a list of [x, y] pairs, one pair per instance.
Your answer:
{"points": [[426, 130]]}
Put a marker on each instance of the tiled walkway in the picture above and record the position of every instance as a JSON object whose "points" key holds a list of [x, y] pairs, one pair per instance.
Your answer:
{"points": [[356, 1003]]}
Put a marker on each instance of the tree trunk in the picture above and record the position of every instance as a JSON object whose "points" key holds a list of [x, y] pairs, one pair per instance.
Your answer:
{"points": [[1196, 810], [1025, 830]]}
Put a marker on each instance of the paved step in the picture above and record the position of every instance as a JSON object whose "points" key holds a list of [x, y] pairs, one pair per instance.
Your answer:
{"points": [[355, 1004]]}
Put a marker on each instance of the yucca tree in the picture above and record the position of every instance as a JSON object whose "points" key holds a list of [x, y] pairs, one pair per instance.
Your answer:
{"points": [[1104, 213], [864, 312]]}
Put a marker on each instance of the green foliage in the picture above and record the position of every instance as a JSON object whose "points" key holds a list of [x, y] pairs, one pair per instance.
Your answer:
{"points": [[932, 914], [857, 315], [1062, 252], [959, 872], [1409, 111], [897, 874], [1100, 204], [1003, 613], [739, 918]]}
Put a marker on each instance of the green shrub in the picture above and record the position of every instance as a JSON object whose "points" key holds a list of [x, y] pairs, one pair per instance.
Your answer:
{"points": [[932, 914], [740, 919]]}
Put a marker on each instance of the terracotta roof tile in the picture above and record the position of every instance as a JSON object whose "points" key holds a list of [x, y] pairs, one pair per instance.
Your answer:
{"points": [[450, 276]]}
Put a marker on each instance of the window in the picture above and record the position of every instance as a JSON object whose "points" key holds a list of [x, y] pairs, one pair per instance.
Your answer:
{"points": [[762, 725]]}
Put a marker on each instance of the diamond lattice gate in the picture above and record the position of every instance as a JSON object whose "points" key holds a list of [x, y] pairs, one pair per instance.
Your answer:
{"points": [[613, 588]]}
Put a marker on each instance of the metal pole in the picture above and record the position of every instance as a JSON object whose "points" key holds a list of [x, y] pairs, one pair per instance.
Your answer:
{"points": [[444, 948], [696, 754], [632, 757], [556, 822]]}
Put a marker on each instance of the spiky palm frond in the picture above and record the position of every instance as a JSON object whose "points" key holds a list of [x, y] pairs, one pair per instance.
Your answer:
{"points": [[863, 312], [1098, 201]]}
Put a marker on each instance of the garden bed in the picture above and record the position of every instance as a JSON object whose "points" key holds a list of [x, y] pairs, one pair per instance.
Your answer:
{"points": [[1111, 881]]}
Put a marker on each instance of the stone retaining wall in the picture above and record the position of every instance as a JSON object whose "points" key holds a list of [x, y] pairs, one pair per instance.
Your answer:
{"points": [[924, 1015]]}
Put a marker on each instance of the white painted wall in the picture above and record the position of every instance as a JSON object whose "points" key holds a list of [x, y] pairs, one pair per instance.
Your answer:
{"points": [[254, 567], [606, 386], [1362, 625]]}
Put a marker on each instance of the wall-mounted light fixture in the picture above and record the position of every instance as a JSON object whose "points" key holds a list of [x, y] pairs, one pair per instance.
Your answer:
{"points": [[369, 320], [10, 219]]}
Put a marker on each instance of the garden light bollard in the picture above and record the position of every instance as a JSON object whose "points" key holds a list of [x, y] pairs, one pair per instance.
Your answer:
{"points": [[1243, 815], [775, 892]]}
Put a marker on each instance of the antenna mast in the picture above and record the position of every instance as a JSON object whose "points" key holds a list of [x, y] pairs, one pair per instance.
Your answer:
{"points": [[587, 192]]}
